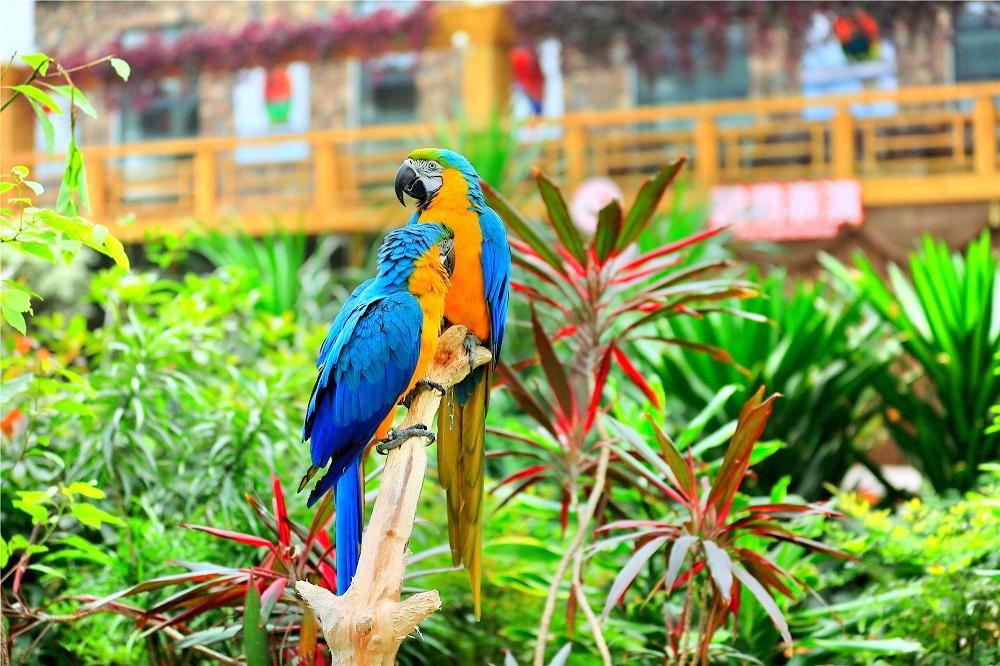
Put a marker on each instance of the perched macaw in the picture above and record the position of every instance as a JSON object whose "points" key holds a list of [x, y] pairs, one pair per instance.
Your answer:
{"points": [[447, 190], [377, 350]]}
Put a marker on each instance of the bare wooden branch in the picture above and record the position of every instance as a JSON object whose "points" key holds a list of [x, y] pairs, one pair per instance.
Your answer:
{"points": [[366, 625]]}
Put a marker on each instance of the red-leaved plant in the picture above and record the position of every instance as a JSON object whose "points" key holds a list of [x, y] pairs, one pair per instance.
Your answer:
{"points": [[701, 547], [275, 619], [600, 295]]}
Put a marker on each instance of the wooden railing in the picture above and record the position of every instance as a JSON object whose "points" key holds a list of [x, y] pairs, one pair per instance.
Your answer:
{"points": [[926, 145]]}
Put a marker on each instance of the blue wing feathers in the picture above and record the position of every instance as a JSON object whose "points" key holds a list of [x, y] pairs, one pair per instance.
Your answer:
{"points": [[360, 383], [496, 276]]}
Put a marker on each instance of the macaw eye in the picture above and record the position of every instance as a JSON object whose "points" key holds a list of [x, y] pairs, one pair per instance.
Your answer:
{"points": [[446, 250]]}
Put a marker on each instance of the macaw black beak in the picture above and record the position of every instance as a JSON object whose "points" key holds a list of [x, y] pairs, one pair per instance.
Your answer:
{"points": [[408, 182]]}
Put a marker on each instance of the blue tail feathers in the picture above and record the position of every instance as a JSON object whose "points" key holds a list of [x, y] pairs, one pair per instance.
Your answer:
{"points": [[348, 501]]}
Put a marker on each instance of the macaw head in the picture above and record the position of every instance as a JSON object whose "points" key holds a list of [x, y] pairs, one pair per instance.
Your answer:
{"points": [[424, 249], [426, 170]]}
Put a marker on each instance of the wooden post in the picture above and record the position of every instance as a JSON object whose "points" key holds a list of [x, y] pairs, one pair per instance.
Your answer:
{"points": [[575, 147], [17, 127], [984, 142], [706, 151], [204, 184], [366, 625], [842, 139], [486, 71], [96, 189], [324, 179]]}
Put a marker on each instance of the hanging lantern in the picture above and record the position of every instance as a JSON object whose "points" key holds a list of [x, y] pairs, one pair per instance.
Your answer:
{"points": [[278, 95], [528, 75]]}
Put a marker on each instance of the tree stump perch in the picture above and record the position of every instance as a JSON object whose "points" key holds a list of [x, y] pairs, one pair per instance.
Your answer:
{"points": [[366, 625]]}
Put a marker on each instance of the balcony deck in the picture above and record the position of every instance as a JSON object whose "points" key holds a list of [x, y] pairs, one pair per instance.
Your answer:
{"points": [[913, 146]]}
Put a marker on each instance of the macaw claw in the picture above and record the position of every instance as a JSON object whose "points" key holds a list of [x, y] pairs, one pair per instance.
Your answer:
{"points": [[423, 383], [471, 344], [395, 437]]}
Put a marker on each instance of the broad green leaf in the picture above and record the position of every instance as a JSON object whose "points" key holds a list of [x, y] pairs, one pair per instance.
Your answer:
{"points": [[38, 61], [254, 635], [523, 229], [857, 646], [91, 516], [609, 225], [39, 95], [39, 514], [555, 207], [5, 185], [645, 204], [78, 98], [15, 296], [750, 426], [4, 553], [673, 457], [121, 68], [40, 250], [85, 489]]}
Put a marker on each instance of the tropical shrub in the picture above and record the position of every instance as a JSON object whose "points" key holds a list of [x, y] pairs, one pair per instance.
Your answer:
{"points": [[945, 317], [925, 587], [711, 531], [808, 340], [600, 299], [290, 277]]}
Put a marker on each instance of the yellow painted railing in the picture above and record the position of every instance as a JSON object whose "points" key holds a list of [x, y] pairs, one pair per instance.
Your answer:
{"points": [[924, 145]]}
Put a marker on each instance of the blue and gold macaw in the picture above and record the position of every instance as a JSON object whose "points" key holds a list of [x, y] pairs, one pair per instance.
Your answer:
{"points": [[446, 187], [377, 350]]}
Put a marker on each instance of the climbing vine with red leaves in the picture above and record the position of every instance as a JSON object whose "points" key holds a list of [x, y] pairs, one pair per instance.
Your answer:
{"points": [[267, 44]]}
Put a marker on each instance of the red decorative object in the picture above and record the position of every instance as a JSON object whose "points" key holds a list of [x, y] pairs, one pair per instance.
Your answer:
{"points": [[278, 95], [529, 76], [798, 210], [858, 35]]}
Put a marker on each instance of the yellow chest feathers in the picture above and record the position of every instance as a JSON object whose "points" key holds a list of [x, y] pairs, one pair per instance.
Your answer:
{"points": [[429, 283]]}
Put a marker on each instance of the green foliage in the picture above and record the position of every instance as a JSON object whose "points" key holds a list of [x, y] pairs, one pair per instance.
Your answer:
{"points": [[947, 320], [44, 234], [55, 236], [290, 279], [926, 588], [808, 340]]}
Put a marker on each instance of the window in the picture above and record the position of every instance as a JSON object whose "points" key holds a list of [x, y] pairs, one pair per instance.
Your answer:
{"points": [[388, 89], [977, 42], [388, 85], [701, 81], [161, 109]]}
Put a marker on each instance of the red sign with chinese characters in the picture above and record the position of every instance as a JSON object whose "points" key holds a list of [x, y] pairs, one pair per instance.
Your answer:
{"points": [[798, 210]]}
